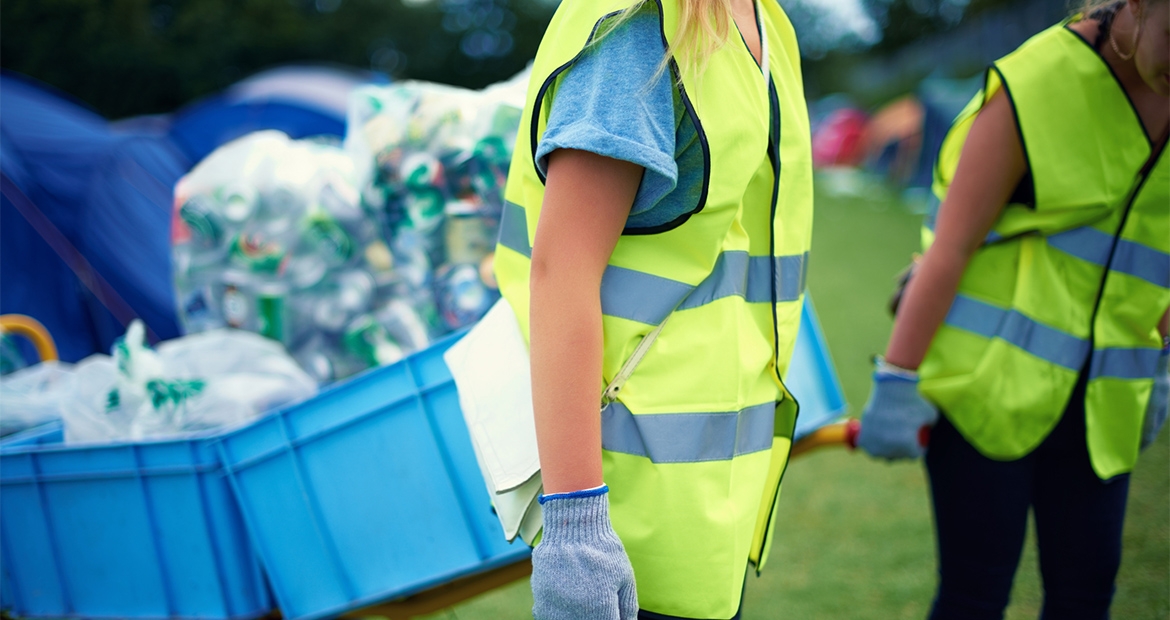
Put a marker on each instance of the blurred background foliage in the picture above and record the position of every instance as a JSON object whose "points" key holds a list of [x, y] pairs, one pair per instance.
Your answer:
{"points": [[132, 57]]}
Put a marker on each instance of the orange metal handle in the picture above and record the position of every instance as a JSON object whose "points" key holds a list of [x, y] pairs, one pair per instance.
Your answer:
{"points": [[839, 434], [843, 434], [32, 329]]}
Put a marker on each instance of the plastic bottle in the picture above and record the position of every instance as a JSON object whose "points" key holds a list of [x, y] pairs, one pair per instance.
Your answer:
{"points": [[238, 201], [201, 215], [323, 246], [271, 299], [235, 300], [469, 235], [369, 341], [461, 295], [404, 324], [349, 296]]}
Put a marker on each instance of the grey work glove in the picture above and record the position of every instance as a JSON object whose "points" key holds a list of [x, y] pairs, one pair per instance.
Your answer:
{"points": [[1159, 400], [580, 570], [895, 415]]}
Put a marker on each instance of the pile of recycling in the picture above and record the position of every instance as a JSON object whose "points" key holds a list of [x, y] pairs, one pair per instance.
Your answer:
{"points": [[326, 258], [352, 255]]}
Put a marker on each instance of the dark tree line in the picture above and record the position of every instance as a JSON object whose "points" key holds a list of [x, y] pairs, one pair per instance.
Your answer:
{"points": [[129, 57]]}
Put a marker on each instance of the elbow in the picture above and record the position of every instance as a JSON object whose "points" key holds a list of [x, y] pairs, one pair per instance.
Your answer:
{"points": [[540, 273], [548, 279], [554, 279]]}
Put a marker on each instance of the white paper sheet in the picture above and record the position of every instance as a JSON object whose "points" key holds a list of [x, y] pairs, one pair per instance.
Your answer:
{"points": [[491, 370]]}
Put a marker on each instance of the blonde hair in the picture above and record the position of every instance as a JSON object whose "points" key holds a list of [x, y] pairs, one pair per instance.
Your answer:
{"points": [[703, 27], [1091, 6], [1088, 7]]}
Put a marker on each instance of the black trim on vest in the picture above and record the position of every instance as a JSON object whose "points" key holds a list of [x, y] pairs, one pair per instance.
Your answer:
{"points": [[682, 91], [774, 156], [1019, 131], [690, 109], [1143, 176], [539, 103], [1096, 52]]}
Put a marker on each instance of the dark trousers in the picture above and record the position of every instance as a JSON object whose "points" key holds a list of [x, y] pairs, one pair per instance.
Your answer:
{"points": [[981, 510]]}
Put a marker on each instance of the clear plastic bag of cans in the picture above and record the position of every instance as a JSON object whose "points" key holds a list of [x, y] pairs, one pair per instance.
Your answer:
{"points": [[352, 257], [270, 236], [432, 161]]}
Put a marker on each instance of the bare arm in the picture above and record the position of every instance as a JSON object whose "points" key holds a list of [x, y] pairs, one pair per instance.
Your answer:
{"points": [[586, 202], [990, 167]]}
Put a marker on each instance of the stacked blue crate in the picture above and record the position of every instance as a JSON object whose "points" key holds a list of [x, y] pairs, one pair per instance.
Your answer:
{"points": [[147, 530], [368, 492]]}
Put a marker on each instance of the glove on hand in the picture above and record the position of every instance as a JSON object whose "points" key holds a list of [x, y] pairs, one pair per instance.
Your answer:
{"points": [[1159, 400], [580, 570], [894, 415]]}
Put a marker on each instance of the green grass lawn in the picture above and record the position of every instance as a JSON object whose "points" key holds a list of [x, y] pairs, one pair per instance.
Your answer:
{"points": [[855, 540]]}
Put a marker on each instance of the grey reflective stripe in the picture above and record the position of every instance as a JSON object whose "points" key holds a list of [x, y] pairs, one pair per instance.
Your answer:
{"points": [[1086, 243], [1124, 363], [731, 276], [791, 276], [1143, 262], [647, 298], [514, 229], [737, 274], [1131, 258], [638, 296], [1036, 338], [687, 437]]}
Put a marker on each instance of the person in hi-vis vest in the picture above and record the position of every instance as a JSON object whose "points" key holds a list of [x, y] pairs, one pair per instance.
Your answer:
{"points": [[646, 185], [1036, 321]]}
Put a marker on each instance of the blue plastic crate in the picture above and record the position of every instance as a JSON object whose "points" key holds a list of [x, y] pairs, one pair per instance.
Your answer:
{"points": [[148, 530], [50, 433], [368, 492]]}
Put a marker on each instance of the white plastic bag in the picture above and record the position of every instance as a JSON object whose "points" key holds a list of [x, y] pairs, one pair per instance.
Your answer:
{"points": [[239, 367], [211, 380], [30, 397]]}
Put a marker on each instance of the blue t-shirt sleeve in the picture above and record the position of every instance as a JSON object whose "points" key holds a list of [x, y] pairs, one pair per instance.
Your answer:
{"points": [[615, 102]]}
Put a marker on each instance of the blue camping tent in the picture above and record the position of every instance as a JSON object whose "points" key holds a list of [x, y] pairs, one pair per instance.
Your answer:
{"points": [[301, 101], [85, 220], [86, 207]]}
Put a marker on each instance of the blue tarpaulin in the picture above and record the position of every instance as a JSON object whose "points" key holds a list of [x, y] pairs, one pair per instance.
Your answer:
{"points": [[85, 216], [85, 220]]}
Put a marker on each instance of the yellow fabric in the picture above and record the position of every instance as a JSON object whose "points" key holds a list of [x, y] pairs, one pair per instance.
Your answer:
{"points": [[691, 527], [1096, 176]]}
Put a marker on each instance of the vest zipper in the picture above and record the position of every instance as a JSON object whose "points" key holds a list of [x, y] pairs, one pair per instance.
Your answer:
{"points": [[1143, 176], [774, 156]]}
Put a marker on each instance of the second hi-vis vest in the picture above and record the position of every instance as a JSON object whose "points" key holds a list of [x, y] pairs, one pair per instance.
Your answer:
{"points": [[1076, 282], [694, 448]]}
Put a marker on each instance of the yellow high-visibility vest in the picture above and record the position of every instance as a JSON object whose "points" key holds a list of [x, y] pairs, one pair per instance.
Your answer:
{"points": [[694, 447], [1076, 282]]}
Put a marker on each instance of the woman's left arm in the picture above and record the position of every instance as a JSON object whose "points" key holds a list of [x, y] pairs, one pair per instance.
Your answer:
{"points": [[990, 166]]}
